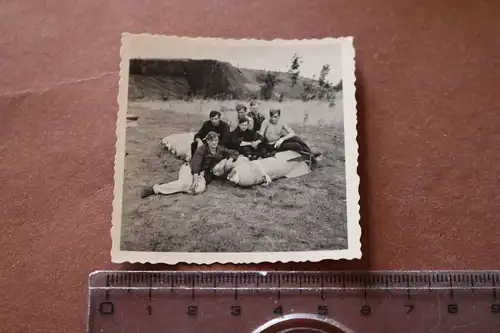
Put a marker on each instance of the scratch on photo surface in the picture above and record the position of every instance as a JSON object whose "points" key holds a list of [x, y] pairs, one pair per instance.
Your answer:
{"points": [[56, 85], [463, 326]]}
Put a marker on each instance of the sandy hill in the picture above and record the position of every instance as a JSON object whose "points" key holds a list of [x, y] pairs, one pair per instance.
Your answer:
{"points": [[179, 79]]}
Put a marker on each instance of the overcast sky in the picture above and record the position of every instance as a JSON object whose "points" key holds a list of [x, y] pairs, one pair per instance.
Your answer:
{"points": [[280, 58], [268, 56]]}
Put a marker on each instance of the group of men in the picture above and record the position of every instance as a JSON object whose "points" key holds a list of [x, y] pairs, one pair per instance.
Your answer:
{"points": [[255, 137], [245, 138]]}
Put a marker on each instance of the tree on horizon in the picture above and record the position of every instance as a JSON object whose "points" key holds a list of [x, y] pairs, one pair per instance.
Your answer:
{"points": [[294, 70], [268, 81]]}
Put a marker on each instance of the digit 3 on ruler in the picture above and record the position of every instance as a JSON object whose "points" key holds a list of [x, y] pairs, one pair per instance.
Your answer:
{"points": [[384, 301]]}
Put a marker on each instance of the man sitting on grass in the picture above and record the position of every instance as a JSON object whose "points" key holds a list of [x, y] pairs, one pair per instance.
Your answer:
{"points": [[257, 117], [246, 141], [279, 136], [242, 114], [216, 125]]}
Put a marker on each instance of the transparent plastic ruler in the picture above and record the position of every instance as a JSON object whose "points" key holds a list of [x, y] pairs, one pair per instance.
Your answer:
{"points": [[293, 302]]}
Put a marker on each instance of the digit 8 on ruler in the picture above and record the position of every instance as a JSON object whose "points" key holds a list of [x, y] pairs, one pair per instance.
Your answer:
{"points": [[293, 302]]}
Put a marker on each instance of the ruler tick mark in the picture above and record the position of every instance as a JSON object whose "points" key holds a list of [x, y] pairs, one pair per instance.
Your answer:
{"points": [[279, 288], [408, 289], [235, 289], [365, 289], [322, 288], [494, 289], [150, 287], [107, 285]]}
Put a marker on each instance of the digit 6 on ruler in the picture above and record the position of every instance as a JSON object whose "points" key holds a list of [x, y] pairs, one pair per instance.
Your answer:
{"points": [[262, 302], [236, 310], [192, 310]]}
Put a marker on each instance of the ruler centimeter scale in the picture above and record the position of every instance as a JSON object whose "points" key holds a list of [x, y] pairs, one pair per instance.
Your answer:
{"points": [[293, 301]]}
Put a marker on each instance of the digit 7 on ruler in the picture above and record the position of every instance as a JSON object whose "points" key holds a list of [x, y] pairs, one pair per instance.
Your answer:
{"points": [[380, 301]]}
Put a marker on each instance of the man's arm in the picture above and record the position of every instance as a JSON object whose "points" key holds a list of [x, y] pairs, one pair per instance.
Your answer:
{"points": [[257, 137], [197, 161], [226, 133], [290, 132], [263, 128], [234, 139], [202, 132]]}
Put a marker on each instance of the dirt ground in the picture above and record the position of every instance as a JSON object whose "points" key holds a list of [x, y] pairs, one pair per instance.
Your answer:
{"points": [[306, 213]]}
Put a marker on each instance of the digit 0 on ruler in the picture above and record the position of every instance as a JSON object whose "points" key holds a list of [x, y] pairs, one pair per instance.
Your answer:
{"points": [[380, 301]]}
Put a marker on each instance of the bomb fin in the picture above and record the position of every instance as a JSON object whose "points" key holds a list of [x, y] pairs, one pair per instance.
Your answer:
{"points": [[298, 159], [300, 169]]}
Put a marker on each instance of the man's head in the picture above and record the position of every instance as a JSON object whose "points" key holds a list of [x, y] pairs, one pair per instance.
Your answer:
{"points": [[242, 110], [243, 123], [254, 108], [215, 117], [212, 139], [274, 115]]}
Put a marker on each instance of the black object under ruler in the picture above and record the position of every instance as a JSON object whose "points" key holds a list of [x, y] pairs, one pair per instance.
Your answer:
{"points": [[293, 302]]}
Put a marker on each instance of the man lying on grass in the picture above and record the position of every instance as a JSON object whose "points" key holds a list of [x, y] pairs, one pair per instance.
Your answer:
{"points": [[246, 141], [210, 161]]}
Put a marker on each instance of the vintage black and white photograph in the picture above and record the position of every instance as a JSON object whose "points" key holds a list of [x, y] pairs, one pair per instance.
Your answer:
{"points": [[236, 151]]}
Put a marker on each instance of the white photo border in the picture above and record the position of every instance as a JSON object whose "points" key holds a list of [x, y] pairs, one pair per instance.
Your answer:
{"points": [[146, 46]]}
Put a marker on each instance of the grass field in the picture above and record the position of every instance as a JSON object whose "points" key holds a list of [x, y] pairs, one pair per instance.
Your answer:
{"points": [[305, 213]]}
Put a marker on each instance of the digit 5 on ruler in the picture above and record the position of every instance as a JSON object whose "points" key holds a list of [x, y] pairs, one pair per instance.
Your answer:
{"points": [[411, 301]]}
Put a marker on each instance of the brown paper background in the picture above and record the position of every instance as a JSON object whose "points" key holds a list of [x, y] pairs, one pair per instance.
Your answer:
{"points": [[428, 78]]}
